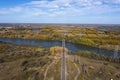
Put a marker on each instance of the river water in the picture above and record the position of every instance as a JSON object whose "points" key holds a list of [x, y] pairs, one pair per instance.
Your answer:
{"points": [[36, 30], [48, 44]]}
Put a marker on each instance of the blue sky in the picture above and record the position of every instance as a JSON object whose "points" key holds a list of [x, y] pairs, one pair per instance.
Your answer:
{"points": [[60, 11]]}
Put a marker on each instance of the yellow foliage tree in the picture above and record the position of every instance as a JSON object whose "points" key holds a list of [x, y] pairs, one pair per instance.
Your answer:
{"points": [[57, 49]]}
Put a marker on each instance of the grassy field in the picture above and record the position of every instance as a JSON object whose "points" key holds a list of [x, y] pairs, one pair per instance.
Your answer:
{"points": [[18, 62], [23, 62]]}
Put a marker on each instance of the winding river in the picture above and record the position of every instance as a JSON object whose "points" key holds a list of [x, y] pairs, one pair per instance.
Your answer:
{"points": [[48, 44]]}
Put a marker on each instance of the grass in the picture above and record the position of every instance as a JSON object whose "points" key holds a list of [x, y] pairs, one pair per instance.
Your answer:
{"points": [[22, 62], [99, 70], [78, 35]]}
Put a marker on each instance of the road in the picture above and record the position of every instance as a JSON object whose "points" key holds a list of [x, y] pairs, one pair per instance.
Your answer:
{"points": [[45, 74], [63, 61], [63, 67]]}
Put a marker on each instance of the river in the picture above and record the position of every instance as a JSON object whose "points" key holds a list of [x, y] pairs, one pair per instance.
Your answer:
{"points": [[48, 44]]}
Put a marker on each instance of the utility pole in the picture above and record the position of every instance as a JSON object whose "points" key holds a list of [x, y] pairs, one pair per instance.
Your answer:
{"points": [[63, 60]]}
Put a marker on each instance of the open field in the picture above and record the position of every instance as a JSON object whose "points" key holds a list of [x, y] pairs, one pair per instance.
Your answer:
{"points": [[27, 62], [21, 62]]}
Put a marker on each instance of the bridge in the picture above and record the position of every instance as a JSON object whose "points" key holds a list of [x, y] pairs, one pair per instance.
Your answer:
{"points": [[63, 60]]}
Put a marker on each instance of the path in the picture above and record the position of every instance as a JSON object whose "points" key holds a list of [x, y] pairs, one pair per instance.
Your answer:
{"points": [[76, 77], [45, 74]]}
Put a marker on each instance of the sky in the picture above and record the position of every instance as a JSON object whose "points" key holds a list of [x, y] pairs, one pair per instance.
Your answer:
{"points": [[60, 11]]}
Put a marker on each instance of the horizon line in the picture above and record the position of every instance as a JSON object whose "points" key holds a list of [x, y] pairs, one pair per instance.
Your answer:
{"points": [[61, 23]]}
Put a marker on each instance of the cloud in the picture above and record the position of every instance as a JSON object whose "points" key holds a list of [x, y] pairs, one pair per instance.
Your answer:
{"points": [[3, 12], [64, 8], [16, 9], [10, 10], [112, 1]]}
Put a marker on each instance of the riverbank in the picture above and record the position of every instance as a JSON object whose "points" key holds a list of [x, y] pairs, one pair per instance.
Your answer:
{"points": [[85, 36], [48, 44]]}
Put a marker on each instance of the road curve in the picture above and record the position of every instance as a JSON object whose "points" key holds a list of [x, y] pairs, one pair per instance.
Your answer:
{"points": [[45, 74], [76, 77]]}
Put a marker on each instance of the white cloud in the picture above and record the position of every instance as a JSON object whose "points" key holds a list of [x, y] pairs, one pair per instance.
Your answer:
{"points": [[112, 1], [64, 7], [34, 12], [10, 10], [3, 12], [16, 9], [98, 3]]}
